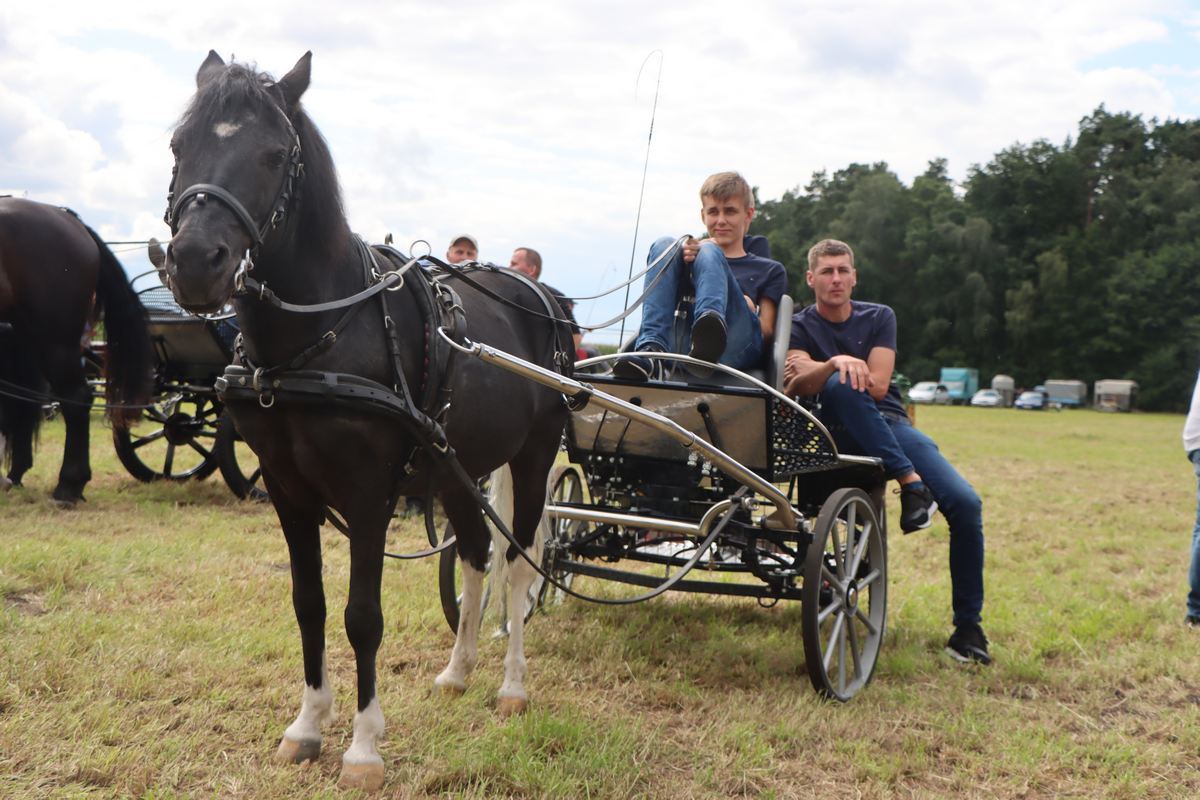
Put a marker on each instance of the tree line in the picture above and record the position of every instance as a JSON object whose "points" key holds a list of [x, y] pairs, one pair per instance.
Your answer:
{"points": [[1079, 260]]}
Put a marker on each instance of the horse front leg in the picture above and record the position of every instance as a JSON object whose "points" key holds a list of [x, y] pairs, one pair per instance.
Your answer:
{"points": [[302, 740], [362, 766]]}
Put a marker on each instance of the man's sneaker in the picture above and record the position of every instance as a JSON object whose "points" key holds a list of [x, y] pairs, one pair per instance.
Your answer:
{"points": [[639, 368], [1192, 622], [968, 645], [708, 341], [917, 507]]}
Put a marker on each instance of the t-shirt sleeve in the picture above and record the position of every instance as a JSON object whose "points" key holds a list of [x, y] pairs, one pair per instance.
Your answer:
{"points": [[775, 284], [884, 334]]}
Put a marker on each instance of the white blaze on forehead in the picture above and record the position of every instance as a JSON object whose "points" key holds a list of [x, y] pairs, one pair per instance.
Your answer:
{"points": [[224, 130]]}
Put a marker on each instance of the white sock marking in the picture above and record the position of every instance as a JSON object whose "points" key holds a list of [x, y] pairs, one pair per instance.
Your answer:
{"points": [[368, 727], [315, 711]]}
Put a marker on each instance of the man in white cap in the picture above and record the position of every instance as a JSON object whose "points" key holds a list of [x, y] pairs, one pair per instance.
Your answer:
{"points": [[463, 247]]}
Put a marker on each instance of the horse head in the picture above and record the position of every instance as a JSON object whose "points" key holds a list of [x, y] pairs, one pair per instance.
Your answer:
{"points": [[237, 169]]}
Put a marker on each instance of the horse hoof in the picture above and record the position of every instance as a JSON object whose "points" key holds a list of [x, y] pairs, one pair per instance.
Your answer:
{"points": [[65, 505], [5, 484], [451, 690], [368, 777], [510, 706], [293, 752]]}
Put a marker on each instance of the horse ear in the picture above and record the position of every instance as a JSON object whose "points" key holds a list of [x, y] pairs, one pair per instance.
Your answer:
{"points": [[211, 66], [295, 82]]}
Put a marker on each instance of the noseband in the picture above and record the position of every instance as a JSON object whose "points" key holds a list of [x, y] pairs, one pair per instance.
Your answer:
{"points": [[283, 198]]}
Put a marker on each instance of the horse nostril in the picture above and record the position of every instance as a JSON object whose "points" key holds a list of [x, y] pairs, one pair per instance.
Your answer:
{"points": [[219, 255]]}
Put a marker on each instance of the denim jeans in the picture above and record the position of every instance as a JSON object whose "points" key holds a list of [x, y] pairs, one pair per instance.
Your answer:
{"points": [[859, 427], [1193, 600], [715, 289]]}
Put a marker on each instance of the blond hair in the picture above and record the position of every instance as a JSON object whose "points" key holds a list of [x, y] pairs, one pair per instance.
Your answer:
{"points": [[828, 247], [727, 185]]}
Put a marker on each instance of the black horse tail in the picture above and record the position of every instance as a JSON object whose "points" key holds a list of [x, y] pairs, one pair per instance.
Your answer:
{"points": [[19, 418], [129, 359]]}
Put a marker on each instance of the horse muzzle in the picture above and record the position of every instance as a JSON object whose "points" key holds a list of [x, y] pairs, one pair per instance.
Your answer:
{"points": [[200, 272]]}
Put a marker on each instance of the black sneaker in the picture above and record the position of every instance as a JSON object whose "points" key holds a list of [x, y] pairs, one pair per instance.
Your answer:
{"points": [[968, 645], [917, 507], [708, 341], [639, 368]]}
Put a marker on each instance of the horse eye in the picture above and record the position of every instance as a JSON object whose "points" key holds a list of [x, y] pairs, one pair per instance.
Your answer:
{"points": [[277, 157]]}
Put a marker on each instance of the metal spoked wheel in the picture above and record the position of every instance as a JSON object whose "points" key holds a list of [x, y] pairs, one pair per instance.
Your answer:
{"points": [[844, 595], [238, 463], [566, 486], [174, 439]]}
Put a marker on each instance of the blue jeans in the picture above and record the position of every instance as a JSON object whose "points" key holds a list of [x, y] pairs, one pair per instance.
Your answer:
{"points": [[1193, 599], [715, 289], [859, 427]]}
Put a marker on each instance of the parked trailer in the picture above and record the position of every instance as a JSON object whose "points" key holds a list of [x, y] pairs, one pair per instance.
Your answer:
{"points": [[1067, 393], [1114, 395], [1006, 386], [962, 382]]}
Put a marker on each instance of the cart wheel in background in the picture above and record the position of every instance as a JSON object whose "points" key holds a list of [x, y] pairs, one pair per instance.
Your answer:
{"points": [[566, 486], [173, 440], [238, 463], [844, 596]]}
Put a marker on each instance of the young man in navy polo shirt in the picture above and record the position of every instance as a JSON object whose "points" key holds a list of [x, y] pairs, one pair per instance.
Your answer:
{"points": [[845, 352], [736, 293]]}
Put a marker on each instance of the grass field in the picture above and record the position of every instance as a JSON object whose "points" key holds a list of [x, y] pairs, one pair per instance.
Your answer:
{"points": [[148, 649]]}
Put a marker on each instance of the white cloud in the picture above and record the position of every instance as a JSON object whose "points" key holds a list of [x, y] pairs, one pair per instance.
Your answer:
{"points": [[524, 123]]}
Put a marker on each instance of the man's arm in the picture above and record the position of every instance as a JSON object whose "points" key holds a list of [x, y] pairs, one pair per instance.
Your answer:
{"points": [[803, 375], [767, 310]]}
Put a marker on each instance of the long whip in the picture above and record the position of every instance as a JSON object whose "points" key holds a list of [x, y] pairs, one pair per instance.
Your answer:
{"points": [[645, 168]]}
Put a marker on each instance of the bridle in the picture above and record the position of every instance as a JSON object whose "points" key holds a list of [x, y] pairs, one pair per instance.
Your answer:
{"points": [[287, 191]]}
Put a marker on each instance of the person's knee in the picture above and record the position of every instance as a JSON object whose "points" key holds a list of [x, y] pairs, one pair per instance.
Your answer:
{"points": [[962, 506], [837, 392], [660, 245]]}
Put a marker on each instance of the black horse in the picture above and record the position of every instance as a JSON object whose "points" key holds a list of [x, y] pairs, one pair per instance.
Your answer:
{"points": [[56, 278], [254, 187]]}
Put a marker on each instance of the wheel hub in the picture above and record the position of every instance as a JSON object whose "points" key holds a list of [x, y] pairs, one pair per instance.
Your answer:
{"points": [[851, 601], [180, 428]]}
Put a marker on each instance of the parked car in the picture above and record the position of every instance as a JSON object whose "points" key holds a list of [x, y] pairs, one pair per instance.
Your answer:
{"points": [[1035, 401], [987, 398], [929, 392]]}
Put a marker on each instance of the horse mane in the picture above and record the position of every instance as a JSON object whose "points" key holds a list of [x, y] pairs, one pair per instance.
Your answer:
{"points": [[320, 213]]}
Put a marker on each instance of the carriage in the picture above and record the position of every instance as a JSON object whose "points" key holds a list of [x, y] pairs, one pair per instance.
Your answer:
{"points": [[183, 434], [723, 474]]}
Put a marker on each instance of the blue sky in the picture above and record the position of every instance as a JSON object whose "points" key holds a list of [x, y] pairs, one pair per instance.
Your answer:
{"points": [[523, 123]]}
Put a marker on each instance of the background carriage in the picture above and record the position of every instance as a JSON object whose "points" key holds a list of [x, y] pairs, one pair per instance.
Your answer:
{"points": [[184, 434]]}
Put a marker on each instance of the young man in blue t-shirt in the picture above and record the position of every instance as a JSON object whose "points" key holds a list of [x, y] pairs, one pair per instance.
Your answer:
{"points": [[845, 352], [736, 293]]}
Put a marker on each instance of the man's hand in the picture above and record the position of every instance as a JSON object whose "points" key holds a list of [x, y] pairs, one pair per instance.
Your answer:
{"points": [[852, 370], [690, 248], [750, 304]]}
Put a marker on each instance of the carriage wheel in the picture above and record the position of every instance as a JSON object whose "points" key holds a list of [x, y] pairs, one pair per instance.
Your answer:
{"points": [[238, 463], [566, 486], [174, 439], [844, 595]]}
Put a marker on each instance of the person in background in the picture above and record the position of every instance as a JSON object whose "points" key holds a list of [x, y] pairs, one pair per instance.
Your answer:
{"points": [[845, 352], [1191, 446], [463, 247], [528, 262]]}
